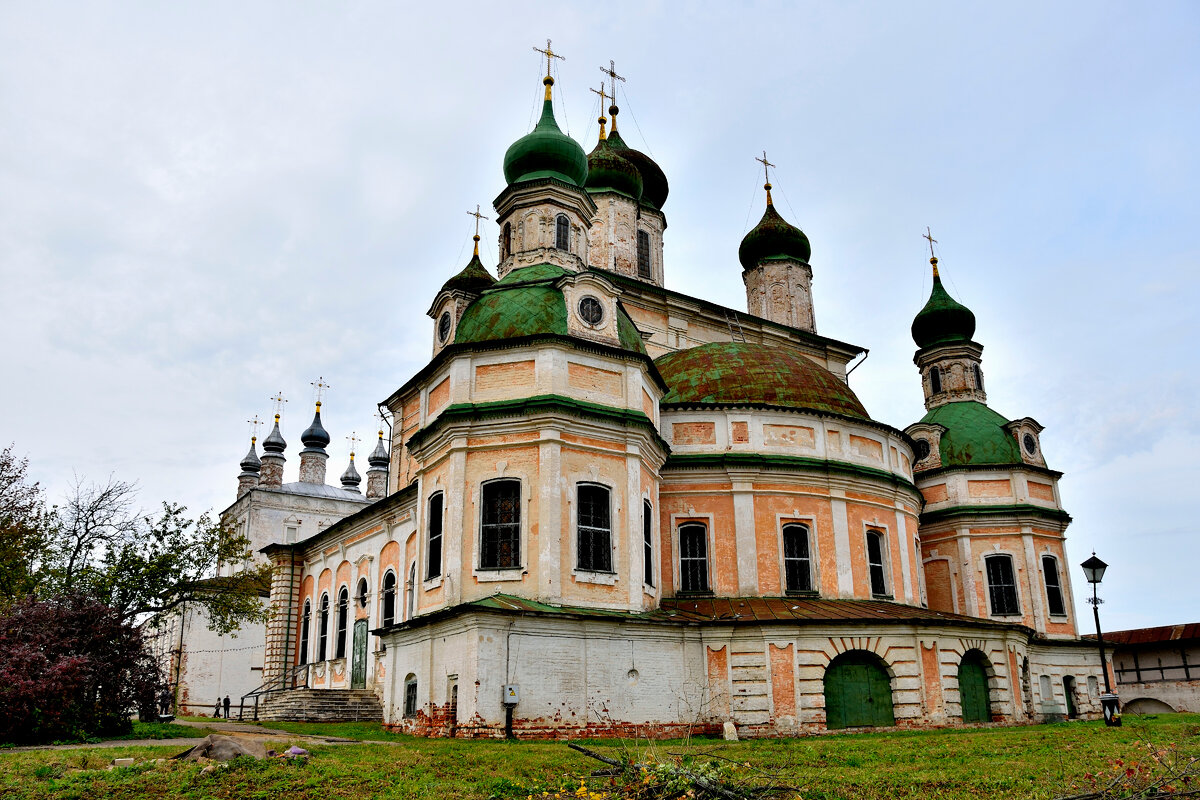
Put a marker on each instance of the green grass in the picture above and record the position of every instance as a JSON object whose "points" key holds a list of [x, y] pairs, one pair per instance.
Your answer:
{"points": [[1029, 762], [362, 731]]}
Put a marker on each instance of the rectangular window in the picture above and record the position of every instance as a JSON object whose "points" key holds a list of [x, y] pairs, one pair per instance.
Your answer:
{"points": [[1054, 596], [643, 254], [875, 564], [797, 566], [410, 697], [693, 558], [501, 534], [594, 529], [1002, 586], [433, 565], [289, 534], [648, 542]]}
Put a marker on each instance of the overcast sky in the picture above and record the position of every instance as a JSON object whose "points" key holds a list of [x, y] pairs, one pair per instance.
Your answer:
{"points": [[203, 203]]}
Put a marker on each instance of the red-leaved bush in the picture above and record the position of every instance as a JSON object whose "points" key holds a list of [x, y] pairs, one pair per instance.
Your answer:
{"points": [[70, 669]]}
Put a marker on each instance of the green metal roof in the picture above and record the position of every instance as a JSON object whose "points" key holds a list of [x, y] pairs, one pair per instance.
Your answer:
{"points": [[974, 435], [473, 278], [738, 373], [943, 319], [773, 237], [608, 169], [546, 152]]}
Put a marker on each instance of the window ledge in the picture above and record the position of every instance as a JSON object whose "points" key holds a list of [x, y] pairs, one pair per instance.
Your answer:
{"points": [[594, 576], [487, 574], [705, 593], [429, 584], [888, 597], [800, 593]]}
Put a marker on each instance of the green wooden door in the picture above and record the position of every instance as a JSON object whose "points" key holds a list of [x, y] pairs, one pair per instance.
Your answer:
{"points": [[358, 663], [973, 691], [858, 693]]}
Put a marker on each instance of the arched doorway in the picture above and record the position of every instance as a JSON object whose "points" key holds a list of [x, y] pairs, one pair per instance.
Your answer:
{"points": [[973, 688], [858, 692]]}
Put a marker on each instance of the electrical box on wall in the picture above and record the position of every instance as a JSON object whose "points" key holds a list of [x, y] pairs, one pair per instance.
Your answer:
{"points": [[512, 694]]}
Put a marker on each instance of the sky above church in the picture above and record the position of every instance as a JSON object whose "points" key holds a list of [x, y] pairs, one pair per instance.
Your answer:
{"points": [[202, 204]]}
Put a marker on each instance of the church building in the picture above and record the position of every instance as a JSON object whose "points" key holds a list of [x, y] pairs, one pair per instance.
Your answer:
{"points": [[605, 507]]}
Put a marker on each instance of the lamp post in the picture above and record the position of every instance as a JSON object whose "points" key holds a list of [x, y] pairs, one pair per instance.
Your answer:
{"points": [[1093, 570]]}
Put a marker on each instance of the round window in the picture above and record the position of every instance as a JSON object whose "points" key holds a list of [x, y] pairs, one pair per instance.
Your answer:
{"points": [[591, 310], [922, 449], [1030, 444], [443, 326]]}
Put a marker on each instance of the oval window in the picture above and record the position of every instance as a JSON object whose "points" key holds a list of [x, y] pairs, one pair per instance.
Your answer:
{"points": [[591, 310], [443, 326], [1030, 444], [921, 451]]}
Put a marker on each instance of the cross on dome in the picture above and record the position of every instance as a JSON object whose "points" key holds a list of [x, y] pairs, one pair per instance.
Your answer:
{"points": [[477, 217], [254, 423], [277, 403], [767, 174], [549, 54], [320, 387]]}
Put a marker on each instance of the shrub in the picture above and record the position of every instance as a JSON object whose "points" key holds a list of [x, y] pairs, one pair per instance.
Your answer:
{"points": [[70, 669]]}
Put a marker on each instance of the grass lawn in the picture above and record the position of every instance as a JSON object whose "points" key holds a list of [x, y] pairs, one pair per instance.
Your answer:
{"points": [[1042, 761]]}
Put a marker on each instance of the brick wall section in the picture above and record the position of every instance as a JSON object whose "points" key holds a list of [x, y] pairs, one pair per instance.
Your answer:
{"points": [[285, 592]]}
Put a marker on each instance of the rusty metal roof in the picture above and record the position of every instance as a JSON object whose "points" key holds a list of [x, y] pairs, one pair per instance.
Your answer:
{"points": [[1165, 633]]}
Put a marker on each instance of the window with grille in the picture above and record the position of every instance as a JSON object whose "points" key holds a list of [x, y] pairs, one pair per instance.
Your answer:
{"points": [[797, 564], [410, 696], [305, 620], [562, 232], [323, 636], [1002, 585], [875, 564], [594, 529], [648, 542], [389, 598], [433, 563], [343, 613], [643, 254], [693, 558], [1054, 595], [501, 534]]}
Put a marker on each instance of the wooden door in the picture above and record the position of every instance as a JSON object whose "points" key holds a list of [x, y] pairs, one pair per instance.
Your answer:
{"points": [[358, 663], [858, 693], [973, 691]]}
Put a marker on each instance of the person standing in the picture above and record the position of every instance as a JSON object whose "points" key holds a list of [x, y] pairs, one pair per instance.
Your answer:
{"points": [[217, 709], [226, 706]]}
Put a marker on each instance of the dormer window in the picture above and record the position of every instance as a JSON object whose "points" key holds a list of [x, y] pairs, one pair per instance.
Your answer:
{"points": [[935, 379], [444, 327], [1030, 444], [562, 232], [591, 311]]}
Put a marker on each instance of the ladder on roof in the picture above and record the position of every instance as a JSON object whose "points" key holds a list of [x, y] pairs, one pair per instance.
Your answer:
{"points": [[731, 319]]}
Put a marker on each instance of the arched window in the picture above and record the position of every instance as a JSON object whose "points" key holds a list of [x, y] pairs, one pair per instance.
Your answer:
{"points": [[323, 635], [500, 545], [361, 595], [1002, 585], [389, 598], [562, 232], [1054, 595], [875, 565], [593, 528], [411, 590], [935, 379], [433, 558], [305, 619], [693, 557], [410, 696], [648, 542], [979, 377], [643, 254], [343, 613], [797, 564], [506, 242]]}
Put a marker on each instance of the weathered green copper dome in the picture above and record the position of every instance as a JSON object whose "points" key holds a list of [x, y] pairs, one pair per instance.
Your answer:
{"points": [[773, 238], [474, 277], [654, 180], [740, 373], [546, 152], [942, 320], [528, 302], [609, 169], [974, 434]]}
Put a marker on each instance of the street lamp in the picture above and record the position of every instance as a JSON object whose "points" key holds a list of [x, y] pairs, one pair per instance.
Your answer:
{"points": [[1093, 570]]}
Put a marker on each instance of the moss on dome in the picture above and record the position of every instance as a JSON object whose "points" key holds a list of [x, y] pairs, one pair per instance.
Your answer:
{"points": [[943, 319], [974, 434], [609, 169], [474, 278], [773, 237], [654, 180]]}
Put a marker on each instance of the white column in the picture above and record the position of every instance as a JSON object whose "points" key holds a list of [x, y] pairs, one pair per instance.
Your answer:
{"points": [[841, 544], [743, 527]]}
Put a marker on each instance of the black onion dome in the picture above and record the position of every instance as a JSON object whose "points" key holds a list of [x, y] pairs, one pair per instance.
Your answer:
{"points": [[379, 458], [473, 279], [315, 437], [274, 442], [351, 478], [654, 180], [773, 237], [251, 463], [609, 169]]}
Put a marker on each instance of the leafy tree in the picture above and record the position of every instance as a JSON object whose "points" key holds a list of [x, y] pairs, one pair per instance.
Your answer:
{"points": [[23, 527], [71, 668]]}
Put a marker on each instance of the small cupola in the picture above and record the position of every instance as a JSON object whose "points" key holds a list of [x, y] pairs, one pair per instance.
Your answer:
{"points": [[951, 363], [350, 478], [775, 268], [251, 466], [314, 456], [273, 458], [457, 293], [546, 152], [943, 319], [378, 470]]}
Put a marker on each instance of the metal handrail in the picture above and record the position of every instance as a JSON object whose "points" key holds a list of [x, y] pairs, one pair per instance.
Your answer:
{"points": [[272, 686]]}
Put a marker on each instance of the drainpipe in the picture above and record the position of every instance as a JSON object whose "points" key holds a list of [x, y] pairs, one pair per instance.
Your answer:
{"points": [[383, 415]]}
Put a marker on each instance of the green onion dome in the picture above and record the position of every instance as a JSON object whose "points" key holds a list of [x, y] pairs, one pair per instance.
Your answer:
{"points": [[773, 238], [746, 373], [474, 277], [608, 169], [546, 152], [974, 434], [942, 320], [529, 302], [654, 181]]}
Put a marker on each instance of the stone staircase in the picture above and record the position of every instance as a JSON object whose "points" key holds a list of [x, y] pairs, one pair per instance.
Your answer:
{"points": [[322, 705]]}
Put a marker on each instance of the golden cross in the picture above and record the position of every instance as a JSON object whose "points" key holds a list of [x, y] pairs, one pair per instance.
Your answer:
{"points": [[611, 72], [254, 423], [319, 388], [932, 241], [549, 54], [600, 92], [277, 404], [353, 440], [766, 164], [477, 217]]}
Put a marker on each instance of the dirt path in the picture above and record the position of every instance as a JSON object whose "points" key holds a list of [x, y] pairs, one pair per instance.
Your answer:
{"points": [[235, 729]]}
